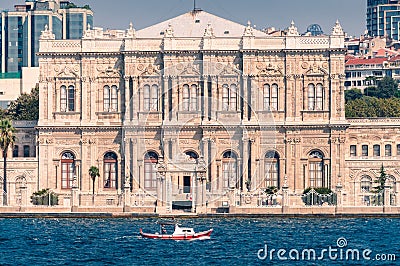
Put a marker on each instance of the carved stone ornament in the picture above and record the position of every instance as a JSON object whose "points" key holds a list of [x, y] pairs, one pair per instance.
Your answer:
{"points": [[47, 34], [169, 32], [130, 33], [248, 31], [337, 29], [292, 30], [209, 31]]}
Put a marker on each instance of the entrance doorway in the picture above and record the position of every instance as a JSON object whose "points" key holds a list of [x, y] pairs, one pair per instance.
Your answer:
{"points": [[186, 184]]}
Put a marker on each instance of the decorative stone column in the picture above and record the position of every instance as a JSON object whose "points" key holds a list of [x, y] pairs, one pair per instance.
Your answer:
{"points": [[339, 195], [161, 186], [285, 196], [75, 195], [386, 197], [24, 197], [127, 195]]}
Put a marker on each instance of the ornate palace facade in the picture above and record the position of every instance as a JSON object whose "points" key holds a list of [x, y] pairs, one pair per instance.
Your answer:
{"points": [[199, 111]]}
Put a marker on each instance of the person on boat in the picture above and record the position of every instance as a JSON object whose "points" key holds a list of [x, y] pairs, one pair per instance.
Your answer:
{"points": [[163, 230]]}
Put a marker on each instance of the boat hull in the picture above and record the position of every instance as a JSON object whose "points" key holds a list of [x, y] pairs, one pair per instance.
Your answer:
{"points": [[204, 234]]}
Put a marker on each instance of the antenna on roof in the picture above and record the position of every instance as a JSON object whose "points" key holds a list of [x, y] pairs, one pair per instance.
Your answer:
{"points": [[195, 8]]}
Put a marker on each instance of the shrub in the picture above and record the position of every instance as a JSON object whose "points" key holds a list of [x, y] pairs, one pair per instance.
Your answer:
{"points": [[44, 197]]}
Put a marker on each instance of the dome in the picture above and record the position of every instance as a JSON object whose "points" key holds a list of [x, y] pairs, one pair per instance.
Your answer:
{"points": [[315, 30]]}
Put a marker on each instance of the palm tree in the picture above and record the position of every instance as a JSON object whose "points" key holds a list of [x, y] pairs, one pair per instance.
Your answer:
{"points": [[7, 140], [94, 172]]}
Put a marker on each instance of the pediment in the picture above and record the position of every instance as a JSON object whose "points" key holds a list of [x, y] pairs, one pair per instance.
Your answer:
{"points": [[194, 24]]}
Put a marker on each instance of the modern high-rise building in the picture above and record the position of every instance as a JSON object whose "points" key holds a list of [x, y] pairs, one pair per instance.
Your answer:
{"points": [[383, 18], [20, 30]]}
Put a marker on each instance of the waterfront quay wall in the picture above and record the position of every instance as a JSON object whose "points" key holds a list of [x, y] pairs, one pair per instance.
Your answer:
{"points": [[233, 212]]}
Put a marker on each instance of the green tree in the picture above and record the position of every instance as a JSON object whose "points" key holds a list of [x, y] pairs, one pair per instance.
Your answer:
{"points": [[7, 140], [352, 94], [371, 91], [381, 180], [94, 172], [387, 87], [373, 107], [25, 107]]}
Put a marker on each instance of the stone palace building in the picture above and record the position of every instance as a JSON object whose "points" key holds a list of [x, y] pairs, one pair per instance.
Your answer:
{"points": [[198, 113]]}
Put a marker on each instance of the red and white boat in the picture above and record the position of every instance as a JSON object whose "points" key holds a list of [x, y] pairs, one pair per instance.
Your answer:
{"points": [[180, 233]]}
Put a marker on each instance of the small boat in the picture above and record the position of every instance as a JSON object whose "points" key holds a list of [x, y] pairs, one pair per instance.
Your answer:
{"points": [[180, 233]]}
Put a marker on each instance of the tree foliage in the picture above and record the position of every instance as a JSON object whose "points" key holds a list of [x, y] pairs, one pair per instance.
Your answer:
{"points": [[380, 180], [25, 107], [353, 94], [387, 88], [373, 107]]}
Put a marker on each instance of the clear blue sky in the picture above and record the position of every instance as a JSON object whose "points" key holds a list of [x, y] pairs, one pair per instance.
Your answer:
{"points": [[117, 14]]}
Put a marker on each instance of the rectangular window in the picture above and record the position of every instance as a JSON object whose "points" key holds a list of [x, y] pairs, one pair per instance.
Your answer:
{"points": [[26, 151], [225, 98], [71, 98], [364, 150], [15, 151], [114, 98], [377, 150], [353, 150], [398, 149], [274, 97], [233, 99], [388, 150]]}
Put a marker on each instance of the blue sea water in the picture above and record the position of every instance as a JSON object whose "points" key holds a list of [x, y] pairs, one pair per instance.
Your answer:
{"points": [[234, 241]]}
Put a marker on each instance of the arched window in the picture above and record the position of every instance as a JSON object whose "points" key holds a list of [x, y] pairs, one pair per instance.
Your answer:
{"points": [[315, 97], [229, 170], [377, 150], [106, 98], [63, 98], [311, 97], [233, 97], [271, 169], [192, 155], [274, 97], [110, 167], [267, 97], [398, 149], [391, 180], [110, 98], [270, 97], [15, 151], [154, 97], [229, 97], [225, 97], [146, 98], [193, 98], [365, 183], [67, 98], [67, 170], [319, 97], [20, 182], [150, 170], [316, 170], [186, 97], [189, 96], [114, 98], [388, 150]]}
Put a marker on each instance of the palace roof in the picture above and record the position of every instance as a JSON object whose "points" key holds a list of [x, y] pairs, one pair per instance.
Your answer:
{"points": [[194, 24]]}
